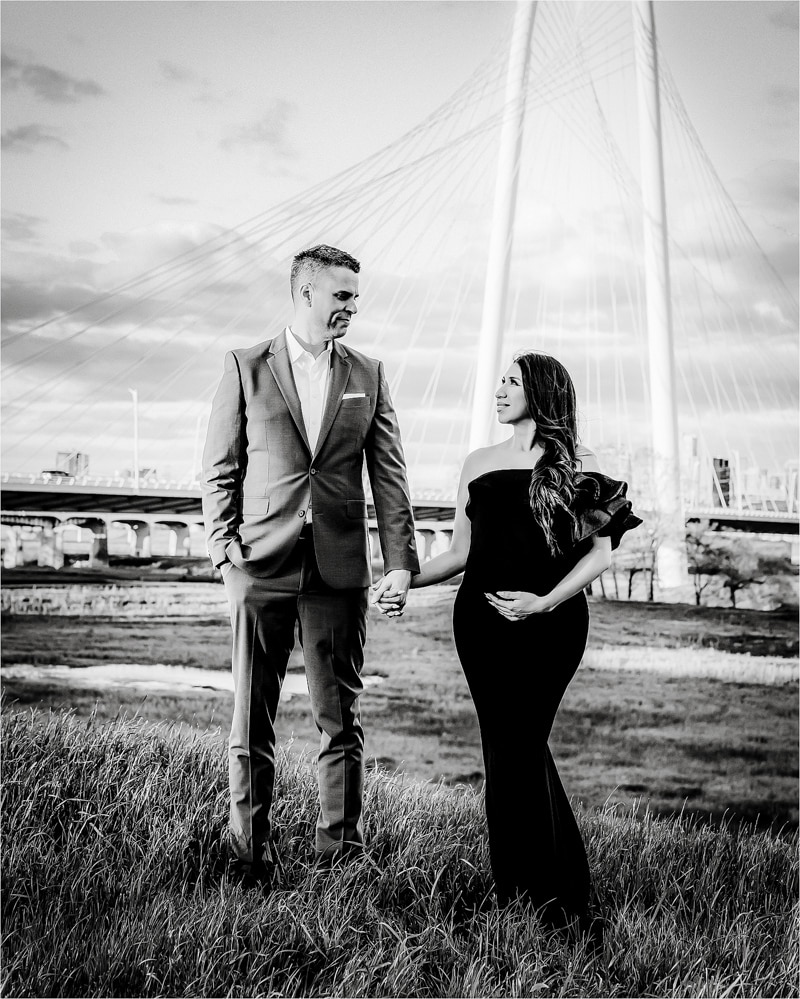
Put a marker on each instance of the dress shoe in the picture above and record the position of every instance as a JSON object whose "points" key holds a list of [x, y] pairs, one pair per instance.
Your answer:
{"points": [[257, 875]]}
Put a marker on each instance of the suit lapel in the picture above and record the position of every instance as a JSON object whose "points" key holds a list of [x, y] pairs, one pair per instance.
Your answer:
{"points": [[337, 383], [281, 368]]}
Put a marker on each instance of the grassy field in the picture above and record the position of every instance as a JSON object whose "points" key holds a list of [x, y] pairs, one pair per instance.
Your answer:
{"points": [[690, 743], [114, 883]]}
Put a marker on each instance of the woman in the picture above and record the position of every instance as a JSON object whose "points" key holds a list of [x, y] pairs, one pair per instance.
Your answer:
{"points": [[535, 524]]}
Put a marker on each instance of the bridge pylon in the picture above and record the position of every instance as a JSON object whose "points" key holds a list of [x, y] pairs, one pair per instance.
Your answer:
{"points": [[671, 559], [490, 343]]}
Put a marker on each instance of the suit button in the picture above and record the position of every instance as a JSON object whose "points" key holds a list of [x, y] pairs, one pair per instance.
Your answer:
{"points": [[302, 513], [313, 471]]}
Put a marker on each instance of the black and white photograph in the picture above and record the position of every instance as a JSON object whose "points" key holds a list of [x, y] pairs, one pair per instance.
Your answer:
{"points": [[399, 516]]}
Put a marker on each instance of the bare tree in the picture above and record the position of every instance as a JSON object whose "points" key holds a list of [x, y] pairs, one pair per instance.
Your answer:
{"points": [[742, 565], [703, 557]]}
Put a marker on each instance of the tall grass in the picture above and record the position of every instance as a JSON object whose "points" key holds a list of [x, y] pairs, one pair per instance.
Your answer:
{"points": [[115, 883]]}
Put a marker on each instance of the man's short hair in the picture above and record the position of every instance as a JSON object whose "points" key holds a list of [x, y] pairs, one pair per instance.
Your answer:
{"points": [[309, 262]]}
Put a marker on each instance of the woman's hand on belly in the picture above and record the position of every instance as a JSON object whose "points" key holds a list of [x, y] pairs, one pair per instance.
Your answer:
{"points": [[515, 605]]}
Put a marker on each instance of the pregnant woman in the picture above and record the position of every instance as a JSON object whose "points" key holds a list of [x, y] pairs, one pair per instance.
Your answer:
{"points": [[536, 522]]}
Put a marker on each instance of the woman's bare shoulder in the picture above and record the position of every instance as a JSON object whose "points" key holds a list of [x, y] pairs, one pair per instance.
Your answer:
{"points": [[476, 463], [484, 459]]}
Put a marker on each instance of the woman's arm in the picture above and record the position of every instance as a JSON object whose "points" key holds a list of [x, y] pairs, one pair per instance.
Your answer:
{"points": [[516, 604], [444, 566]]}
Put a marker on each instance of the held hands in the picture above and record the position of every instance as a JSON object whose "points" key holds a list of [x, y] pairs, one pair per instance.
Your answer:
{"points": [[514, 605], [389, 593]]}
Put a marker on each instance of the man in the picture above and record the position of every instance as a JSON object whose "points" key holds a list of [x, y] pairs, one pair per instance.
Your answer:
{"points": [[292, 422]]}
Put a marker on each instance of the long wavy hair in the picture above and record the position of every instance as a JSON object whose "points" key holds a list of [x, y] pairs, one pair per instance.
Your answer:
{"points": [[550, 398]]}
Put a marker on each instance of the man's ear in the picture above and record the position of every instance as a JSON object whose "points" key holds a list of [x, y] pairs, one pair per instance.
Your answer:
{"points": [[307, 294]]}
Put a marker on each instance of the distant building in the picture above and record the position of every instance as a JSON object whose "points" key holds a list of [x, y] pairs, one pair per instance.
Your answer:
{"points": [[72, 463], [721, 486], [790, 471]]}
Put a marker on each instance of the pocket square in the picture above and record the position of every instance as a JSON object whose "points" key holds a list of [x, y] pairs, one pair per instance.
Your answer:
{"points": [[354, 395]]}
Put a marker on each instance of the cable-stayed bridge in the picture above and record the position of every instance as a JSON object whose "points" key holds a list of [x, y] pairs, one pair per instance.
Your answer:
{"points": [[418, 213]]}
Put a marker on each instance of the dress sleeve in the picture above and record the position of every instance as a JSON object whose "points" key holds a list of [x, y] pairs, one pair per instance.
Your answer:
{"points": [[602, 508]]}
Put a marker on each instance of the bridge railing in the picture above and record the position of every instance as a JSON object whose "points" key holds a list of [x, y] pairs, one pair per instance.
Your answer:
{"points": [[98, 481], [153, 482]]}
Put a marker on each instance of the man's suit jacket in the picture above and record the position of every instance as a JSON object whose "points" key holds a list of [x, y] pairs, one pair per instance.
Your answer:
{"points": [[259, 472]]}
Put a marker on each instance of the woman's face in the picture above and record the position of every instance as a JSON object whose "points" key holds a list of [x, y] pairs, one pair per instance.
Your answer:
{"points": [[510, 397]]}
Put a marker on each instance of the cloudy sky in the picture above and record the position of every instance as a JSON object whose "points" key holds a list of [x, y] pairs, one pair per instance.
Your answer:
{"points": [[134, 131]]}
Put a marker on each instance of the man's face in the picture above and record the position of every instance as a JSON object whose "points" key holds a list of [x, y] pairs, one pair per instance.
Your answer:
{"points": [[334, 291]]}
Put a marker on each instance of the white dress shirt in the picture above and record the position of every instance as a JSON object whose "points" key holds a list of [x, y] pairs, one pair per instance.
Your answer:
{"points": [[311, 381]]}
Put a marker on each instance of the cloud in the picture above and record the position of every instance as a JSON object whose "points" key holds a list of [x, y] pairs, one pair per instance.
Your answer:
{"points": [[784, 15], [46, 83], [784, 256], [176, 277], [769, 196], [781, 105], [173, 73], [137, 251], [26, 137], [21, 228], [72, 379], [774, 185], [174, 200], [717, 249], [164, 334], [783, 97], [83, 247], [270, 131], [28, 301]]}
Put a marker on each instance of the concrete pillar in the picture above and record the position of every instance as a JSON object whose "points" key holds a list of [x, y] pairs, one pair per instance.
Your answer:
{"points": [[197, 540], [179, 540], [425, 538], [443, 540], [51, 548], [141, 544], [23, 556], [130, 536], [98, 555], [374, 544], [12, 550], [99, 529]]}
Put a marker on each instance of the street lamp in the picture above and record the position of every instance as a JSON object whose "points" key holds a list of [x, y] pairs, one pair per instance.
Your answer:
{"points": [[135, 395]]}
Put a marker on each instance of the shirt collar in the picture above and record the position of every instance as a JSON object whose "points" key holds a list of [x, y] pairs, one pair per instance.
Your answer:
{"points": [[298, 351]]}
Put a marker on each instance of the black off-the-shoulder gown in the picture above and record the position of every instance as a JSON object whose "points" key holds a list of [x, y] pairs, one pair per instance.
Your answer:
{"points": [[517, 673]]}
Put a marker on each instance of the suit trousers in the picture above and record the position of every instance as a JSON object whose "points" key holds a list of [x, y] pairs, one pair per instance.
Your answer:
{"points": [[332, 631]]}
